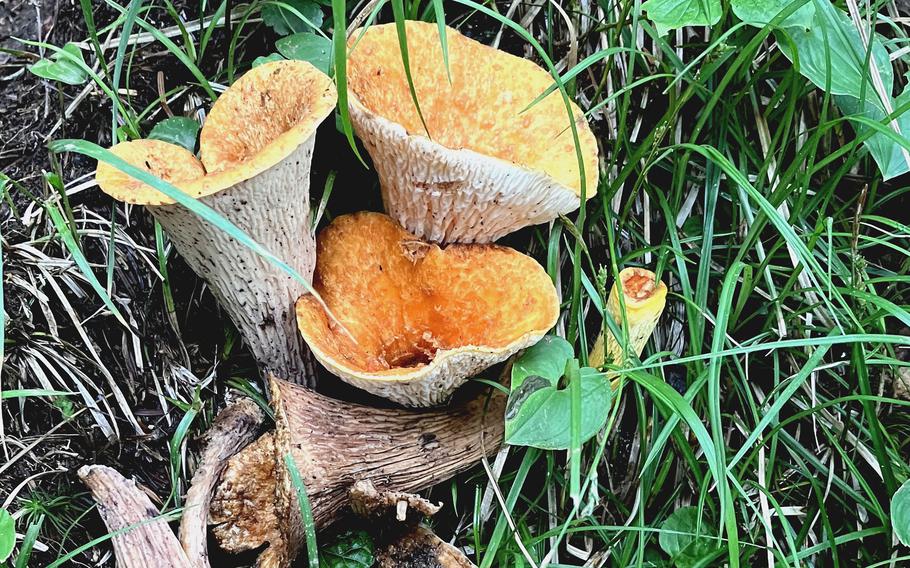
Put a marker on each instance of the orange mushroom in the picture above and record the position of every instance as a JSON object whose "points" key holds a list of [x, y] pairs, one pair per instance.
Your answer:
{"points": [[486, 164], [424, 318], [256, 146]]}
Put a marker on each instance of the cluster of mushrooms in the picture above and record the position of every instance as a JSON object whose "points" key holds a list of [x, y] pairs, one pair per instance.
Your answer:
{"points": [[410, 305]]}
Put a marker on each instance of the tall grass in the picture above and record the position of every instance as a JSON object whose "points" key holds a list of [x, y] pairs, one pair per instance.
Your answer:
{"points": [[787, 258]]}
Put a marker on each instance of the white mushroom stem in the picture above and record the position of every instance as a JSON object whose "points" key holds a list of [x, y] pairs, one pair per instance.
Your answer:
{"points": [[254, 171], [273, 207], [142, 539]]}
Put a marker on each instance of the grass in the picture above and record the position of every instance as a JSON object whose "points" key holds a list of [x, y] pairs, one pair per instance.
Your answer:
{"points": [[765, 400]]}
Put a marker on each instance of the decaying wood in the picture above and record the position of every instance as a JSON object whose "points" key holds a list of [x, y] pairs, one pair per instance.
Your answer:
{"points": [[419, 547], [335, 444], [146, 543], [401, 541], [233, 428], [243, 509]]}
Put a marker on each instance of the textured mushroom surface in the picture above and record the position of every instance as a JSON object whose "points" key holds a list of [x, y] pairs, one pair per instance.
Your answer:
{"points": [[260, 121], [171, 163], [256, 147], [486, 164], [425, 318]]}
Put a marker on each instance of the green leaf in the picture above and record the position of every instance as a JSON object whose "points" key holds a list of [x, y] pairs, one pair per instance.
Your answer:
{"points": [[900, 513], [681, 538], [546, 359], [61, 68], [178, 130], [291, 16], [888, 155], [7, 534], [833, 35], [760, 12], [672, 14], [267, 59], [539, 413], [353, 549], [307, 47]]}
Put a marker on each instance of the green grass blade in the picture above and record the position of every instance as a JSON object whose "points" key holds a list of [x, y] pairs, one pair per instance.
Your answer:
{"points": [[306, 512], [63, 229]]}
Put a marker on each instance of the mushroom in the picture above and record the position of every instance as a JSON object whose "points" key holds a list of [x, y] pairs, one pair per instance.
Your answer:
{"points": [[256, 147], [488, 162], [335, 444], [424, 318], [644, 297]]}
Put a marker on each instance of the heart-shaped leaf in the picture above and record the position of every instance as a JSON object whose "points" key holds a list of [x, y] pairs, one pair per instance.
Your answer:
{"points": [[307, 47], [900, 513], [353, 549], [760, 12], [539, 413], [7, 534], [284, 16], [672, 14], [177, 130], [547, 359], [267, 59], [833, 37], [683, 539], [62, 68]]}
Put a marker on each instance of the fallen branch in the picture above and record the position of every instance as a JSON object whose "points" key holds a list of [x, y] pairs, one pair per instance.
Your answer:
{"points": [[233, 429], [142, 539]]}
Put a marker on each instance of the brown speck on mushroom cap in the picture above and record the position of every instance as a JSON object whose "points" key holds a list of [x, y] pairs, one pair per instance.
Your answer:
{"points": [[488, 164], [425, 319]]}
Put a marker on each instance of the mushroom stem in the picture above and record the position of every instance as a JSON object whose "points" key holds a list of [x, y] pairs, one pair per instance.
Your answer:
{"points": [[335, 444], [256, 147], [146, 541], [273, 207], [233, 428], [644, 298]]}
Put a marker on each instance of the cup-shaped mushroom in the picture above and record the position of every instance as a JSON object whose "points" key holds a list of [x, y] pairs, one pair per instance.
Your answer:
{"points": [[419, 320], [256, 147], [488, 162]]}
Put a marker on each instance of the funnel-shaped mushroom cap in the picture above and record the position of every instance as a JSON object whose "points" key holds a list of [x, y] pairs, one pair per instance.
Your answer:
{"points": [[259, 121], [264, 116], [489, 165], [171, 163], [425, 319], [256, 147]]}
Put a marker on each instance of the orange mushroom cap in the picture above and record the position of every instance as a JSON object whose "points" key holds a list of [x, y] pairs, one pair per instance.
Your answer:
{"points": [[481, 109], [425, 318], [263, 117], [489, 162]]}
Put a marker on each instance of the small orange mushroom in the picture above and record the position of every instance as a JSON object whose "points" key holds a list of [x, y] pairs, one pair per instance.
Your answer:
{"points": [[256, 146], [486, 164], [424, 318]]}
